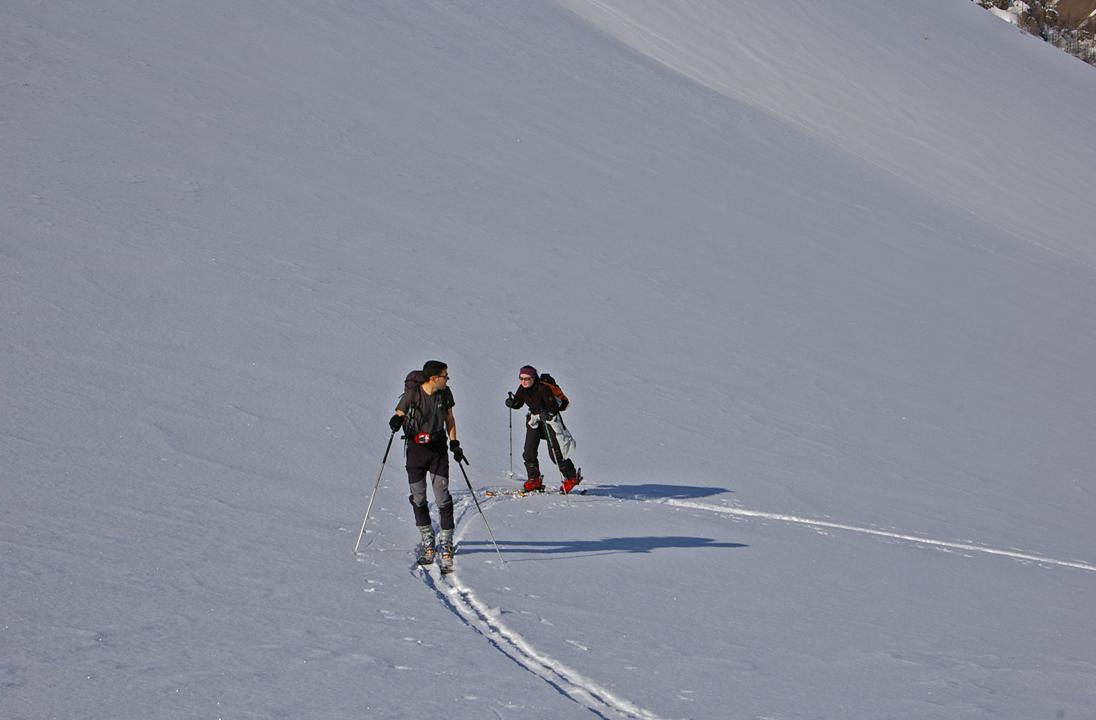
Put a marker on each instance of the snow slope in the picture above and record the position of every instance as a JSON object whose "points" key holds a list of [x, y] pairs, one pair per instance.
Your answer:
{"points": [[987, 121], [817, 283]]}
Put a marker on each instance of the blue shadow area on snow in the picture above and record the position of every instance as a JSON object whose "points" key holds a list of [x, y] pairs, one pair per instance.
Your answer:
{"points": [[604, 546], [655, 491]]}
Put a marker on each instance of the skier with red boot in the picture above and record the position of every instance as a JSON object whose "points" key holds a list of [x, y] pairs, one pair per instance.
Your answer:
{"points": [[545, 402]]}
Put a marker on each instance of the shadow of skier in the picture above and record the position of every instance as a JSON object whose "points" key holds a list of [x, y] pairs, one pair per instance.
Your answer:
{"points": [[655, 491], [590, 548]]}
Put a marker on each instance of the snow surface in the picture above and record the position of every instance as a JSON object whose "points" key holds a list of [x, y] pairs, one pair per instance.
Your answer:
{"points": [[819, 284]]}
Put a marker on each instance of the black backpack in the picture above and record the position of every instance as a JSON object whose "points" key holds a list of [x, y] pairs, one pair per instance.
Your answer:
{"points": [[557, 391], [412, 427]]}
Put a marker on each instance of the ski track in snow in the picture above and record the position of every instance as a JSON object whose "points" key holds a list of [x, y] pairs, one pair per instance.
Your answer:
{"points": [[473, 612], [463, 602], [951, 545]]}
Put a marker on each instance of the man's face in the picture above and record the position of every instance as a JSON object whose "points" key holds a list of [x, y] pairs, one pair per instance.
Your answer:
{"points": [[440, 381]]}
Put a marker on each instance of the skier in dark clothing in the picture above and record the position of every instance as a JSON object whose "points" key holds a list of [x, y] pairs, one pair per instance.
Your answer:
{"points": [[425, 413], [545, 402]]}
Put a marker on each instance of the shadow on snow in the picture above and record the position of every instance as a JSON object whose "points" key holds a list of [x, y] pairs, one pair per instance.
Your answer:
{"points": [[604, 546], [655, 491]]}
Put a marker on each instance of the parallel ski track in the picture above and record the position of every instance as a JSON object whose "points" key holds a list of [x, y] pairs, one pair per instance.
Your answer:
{"points": [[462, 600]]}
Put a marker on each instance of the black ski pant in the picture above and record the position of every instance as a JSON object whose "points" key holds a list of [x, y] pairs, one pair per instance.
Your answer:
{"points": [[432, 461], [533, 436]]}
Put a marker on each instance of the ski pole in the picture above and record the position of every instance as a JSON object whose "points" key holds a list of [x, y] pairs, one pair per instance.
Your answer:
{"points": [[489, 531], [553, 443], [511, 396], [374, 493]]}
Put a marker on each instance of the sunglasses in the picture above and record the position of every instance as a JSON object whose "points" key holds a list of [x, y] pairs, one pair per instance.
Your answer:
{"points": [[523, 378]]}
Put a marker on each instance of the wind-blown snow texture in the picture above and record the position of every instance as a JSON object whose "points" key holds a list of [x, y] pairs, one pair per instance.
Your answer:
{"points": [[819, 282]]}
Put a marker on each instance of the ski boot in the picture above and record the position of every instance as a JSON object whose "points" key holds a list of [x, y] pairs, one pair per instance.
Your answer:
{"points": [[534, 484], [445, 542], [426, 555], [570, 483]]}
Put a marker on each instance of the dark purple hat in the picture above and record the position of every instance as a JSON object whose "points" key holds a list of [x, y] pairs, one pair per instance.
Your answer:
{"points": [[528, 370]]}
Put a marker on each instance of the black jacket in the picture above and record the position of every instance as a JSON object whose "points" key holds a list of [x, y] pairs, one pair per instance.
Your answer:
{"points": [[538, 397]]}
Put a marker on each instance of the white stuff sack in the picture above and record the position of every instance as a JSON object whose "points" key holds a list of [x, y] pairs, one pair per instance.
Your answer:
{"points": [[565, 441]]}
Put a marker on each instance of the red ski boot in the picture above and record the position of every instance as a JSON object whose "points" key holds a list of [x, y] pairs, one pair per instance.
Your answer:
{"points": [[569, 484], [534, 485]]}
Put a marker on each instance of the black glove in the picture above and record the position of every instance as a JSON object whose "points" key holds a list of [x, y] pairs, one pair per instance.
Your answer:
{"points": [[458, 454], [544, 415], [511, 401], [395, 422]]}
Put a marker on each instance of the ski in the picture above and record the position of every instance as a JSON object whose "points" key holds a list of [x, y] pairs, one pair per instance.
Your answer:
{"points": [[519, 493]]}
